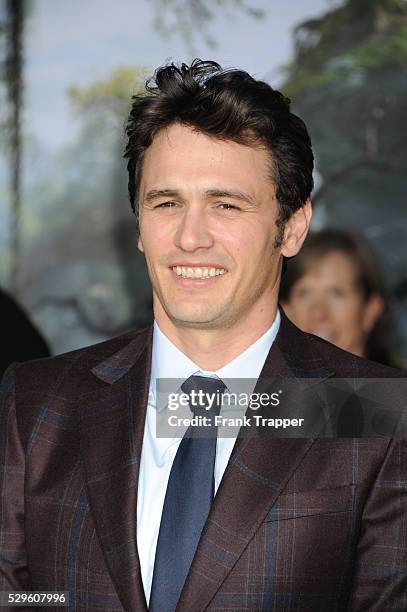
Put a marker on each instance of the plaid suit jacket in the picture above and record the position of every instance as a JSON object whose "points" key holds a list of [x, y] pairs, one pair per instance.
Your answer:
{"points": [[297, 524]]}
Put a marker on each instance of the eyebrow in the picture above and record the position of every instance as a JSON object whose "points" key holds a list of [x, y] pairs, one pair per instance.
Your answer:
{"points": [[154, 194]]}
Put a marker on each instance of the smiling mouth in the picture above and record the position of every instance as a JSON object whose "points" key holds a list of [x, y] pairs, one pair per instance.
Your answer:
{"points": [[198, 272]]}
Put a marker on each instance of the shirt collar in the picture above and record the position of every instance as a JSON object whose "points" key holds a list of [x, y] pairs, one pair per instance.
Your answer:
{"points": [[169, 362]]}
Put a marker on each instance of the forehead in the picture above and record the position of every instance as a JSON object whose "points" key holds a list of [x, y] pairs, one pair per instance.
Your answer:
{"points": [[179, 151], [335, 266]]}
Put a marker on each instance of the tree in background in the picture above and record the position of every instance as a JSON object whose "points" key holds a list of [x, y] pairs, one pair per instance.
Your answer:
{"points": [[86, 265], [348, 81], [194, 17], [12, 21], [86, 278]]}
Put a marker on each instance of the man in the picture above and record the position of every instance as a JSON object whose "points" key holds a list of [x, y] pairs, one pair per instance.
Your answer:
{"points": [[95, 503]]}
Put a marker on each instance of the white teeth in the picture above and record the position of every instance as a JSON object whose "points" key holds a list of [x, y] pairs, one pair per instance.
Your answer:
{"points": [[199, 272]]}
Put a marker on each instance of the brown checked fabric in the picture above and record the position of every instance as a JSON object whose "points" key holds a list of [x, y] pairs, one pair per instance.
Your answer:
{"points": [[297, 524]]}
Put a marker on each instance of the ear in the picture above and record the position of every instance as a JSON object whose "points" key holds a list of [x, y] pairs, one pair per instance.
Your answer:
{"points": [[372, 310], [140, 244], [296, 230]]}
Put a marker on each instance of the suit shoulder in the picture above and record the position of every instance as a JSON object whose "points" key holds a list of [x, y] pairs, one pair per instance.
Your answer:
{"points": [[61, 384], [74, 365]]}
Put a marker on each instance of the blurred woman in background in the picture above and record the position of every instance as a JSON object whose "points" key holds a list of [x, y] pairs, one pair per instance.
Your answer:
{"points": [[334, 289]]}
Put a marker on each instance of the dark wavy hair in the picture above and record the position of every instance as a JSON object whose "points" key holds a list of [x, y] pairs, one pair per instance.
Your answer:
{"points": [[229, 105], [381, 342]]}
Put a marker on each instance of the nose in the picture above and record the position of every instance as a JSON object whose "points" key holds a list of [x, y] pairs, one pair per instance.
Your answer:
{"points": [[318, 311], [193, 231]]}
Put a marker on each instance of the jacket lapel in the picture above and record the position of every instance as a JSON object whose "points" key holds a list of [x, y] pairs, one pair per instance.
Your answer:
{"points": [[257, 473], [112, 427]]}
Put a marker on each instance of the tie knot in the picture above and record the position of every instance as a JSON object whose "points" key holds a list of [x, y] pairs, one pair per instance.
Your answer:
{"points": [[205, 394]]}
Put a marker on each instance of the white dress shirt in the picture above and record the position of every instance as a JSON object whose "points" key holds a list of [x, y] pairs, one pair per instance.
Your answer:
{"points": [[158, 454]]}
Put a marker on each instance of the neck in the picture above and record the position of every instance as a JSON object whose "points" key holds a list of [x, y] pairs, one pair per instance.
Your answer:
{"points": [[211, 349]]}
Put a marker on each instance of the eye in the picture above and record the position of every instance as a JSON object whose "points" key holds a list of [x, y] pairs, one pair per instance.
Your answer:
{"points": [[226, 206], [338, 292], [169, 204], [303, 293]]}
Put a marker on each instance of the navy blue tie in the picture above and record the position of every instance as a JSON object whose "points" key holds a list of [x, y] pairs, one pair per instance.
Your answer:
{"points": [[187, 501]]}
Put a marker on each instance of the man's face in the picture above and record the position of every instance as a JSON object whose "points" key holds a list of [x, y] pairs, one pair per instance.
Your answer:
{"points": [[208, 229]]}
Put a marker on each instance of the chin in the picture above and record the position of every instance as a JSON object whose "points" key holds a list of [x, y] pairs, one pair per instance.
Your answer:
{"points": [[197, 320]]}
